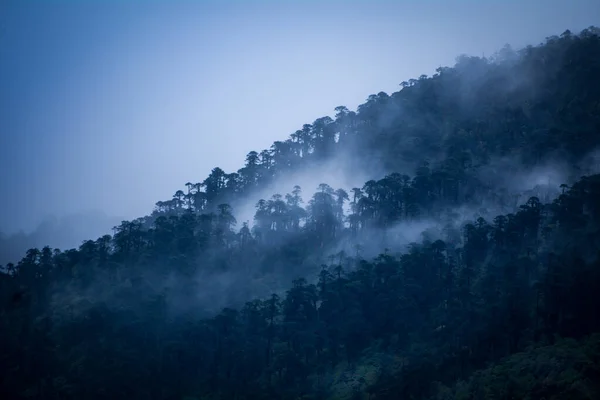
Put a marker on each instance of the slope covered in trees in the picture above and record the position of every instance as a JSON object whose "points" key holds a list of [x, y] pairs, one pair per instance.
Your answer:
{"points": [[454, 255]]}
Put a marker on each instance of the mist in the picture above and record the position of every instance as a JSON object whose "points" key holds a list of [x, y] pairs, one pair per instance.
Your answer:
{"points": [[339, 171], [217, 282], [63, 233], [112, 107]]}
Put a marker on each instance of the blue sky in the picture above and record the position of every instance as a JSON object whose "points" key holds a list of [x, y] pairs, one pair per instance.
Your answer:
{"points": [[114, 105]]}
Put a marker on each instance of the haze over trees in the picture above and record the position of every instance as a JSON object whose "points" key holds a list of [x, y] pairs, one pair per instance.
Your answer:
{"points": [[468, 267], [64, 232]]}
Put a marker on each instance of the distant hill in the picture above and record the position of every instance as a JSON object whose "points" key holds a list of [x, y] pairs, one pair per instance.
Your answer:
{"points": [[63, 233]]}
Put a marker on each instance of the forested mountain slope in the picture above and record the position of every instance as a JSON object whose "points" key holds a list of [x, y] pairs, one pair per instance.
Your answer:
{"points": [[459, 250]]}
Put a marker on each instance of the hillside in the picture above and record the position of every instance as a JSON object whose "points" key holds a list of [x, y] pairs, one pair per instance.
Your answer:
{"points": [[459, 228]]}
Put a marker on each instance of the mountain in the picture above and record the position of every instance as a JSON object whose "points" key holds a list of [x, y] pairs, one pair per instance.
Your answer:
{"points": [[465, 266], [64, 233]]}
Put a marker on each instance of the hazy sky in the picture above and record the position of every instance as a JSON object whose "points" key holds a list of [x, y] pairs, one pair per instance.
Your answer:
{"points": [[114, 105]]}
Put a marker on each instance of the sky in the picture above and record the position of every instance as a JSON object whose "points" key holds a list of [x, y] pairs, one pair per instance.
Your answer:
{"points": [[114, 105]]}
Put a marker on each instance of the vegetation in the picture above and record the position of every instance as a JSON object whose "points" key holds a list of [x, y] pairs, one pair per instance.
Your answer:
{"points": [[502, 304]]}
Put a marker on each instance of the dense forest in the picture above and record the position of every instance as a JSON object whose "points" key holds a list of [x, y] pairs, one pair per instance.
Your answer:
{"points": [[467, 266]]}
